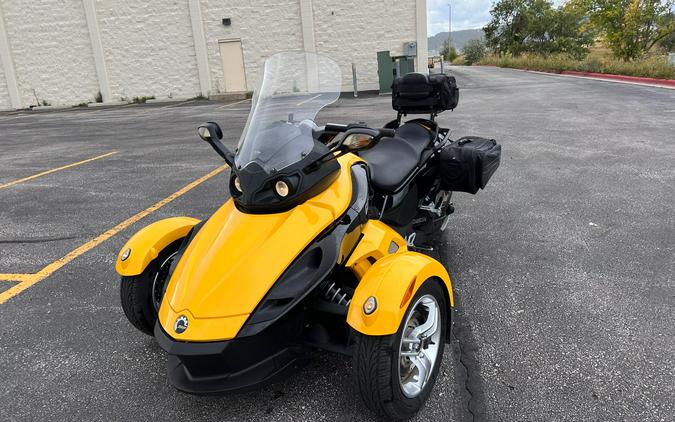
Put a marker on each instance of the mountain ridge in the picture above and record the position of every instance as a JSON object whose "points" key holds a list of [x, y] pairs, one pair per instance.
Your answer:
{"points": [[459, 38]]}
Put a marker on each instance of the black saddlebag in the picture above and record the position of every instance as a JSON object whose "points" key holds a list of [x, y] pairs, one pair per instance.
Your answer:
{"points": [[417, 93], [467, 164]]}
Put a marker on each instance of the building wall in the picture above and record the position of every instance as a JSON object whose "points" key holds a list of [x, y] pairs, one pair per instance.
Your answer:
{"points": [[355, 34], [264, 27], [148, 47], [52, 54], [4, 93]]}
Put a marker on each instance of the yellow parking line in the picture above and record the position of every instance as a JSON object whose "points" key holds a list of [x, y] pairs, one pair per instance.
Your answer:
{"points": [[308, 100], [16, 277], [234, 103], [177, 104], [31, 279], [44, 173]]}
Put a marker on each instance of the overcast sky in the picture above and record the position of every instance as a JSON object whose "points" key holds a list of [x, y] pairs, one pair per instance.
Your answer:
{"points": [[466, 14]]}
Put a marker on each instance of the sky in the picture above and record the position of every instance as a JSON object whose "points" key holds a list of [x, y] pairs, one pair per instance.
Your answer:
{"points": [[466, 14]]}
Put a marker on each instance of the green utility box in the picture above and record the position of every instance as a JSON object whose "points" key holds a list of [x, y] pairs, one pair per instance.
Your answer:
{"points": [[389, 67], [404, 65], [385, 71]]}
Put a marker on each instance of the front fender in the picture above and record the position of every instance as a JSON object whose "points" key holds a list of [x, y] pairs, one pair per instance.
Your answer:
{"points": [[393, 281], [149, 241]]}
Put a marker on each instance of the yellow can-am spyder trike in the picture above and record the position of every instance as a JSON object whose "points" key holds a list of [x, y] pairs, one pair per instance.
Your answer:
{"points": [[317, 248]]}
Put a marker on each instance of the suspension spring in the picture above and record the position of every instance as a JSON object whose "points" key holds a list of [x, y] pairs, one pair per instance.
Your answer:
{"points": [[337, 295]]}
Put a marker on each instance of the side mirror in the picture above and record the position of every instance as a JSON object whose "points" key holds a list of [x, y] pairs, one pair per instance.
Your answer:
{"points": [[211, 133]]}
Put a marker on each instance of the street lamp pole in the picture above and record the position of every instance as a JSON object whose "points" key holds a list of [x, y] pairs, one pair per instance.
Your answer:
{"points": [[449, 29], [449, 25]]}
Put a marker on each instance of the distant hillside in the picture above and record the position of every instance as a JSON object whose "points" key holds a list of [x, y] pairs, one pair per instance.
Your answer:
{"points": [[459, 38]]}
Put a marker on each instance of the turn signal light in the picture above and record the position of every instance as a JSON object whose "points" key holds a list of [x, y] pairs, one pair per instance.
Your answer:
{"points": [[125, 254], [370, 305]]}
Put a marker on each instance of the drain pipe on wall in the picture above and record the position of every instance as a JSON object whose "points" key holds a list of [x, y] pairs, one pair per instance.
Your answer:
{"points": [[356, 89]]}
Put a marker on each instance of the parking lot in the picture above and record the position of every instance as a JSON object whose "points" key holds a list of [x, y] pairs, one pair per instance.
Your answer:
{"points": [[563, 266]]}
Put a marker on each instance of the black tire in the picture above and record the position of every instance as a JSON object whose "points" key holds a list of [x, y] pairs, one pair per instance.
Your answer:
{"points": [[376, 364], [136, 293]]}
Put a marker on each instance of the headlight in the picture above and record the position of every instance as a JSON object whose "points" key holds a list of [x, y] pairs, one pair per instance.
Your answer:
{"points": [[237, 184], [282, 188]]}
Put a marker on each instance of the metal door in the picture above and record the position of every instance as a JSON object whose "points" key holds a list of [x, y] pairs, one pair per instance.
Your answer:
{"points": [[232, 57]]}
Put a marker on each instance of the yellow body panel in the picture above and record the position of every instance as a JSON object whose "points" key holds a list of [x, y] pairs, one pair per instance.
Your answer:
{"points": [[235, 258], [388, 280], [379, 240], [149, 241]]}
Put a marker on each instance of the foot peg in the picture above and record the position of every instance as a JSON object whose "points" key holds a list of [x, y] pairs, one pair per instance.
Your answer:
{"points": [[410, 241], [420, 248]]}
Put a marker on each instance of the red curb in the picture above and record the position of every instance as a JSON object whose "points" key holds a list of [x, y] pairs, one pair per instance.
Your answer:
{"points": [[624, 78]]}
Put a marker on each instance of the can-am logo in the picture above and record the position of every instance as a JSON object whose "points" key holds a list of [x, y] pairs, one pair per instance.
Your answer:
{"points": [[181, 324]]}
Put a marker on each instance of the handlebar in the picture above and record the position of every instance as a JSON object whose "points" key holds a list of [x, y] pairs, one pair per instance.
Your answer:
{"points": [[335, 127], [387, 133], [359, 128]]}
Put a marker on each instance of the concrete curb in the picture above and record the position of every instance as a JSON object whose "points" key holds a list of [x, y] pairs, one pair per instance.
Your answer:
{"points": [[108, 104], [606, 77], [622, 78], [51, 107], [228, 96], [167, 100]]}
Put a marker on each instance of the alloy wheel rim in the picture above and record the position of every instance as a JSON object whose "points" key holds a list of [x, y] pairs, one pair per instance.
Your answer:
{"points": [[418, 350], [160, 280]]}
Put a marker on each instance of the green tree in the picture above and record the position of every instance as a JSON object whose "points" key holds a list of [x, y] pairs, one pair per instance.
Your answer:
{"points": [[630, 28], [668, 43], [507, 30], [519, 26], [448, 54], [474, 50]]}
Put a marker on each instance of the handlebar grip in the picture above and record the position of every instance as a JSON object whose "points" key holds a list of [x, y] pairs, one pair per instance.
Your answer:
{"points": [[387, 133]]}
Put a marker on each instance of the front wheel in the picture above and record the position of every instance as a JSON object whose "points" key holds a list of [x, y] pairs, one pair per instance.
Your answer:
{"points": [[396, 373], [141, 295]]}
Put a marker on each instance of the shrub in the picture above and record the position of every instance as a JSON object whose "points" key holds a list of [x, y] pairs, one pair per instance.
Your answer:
{"points": [[474, 51], [142, 100], [652, 67]]}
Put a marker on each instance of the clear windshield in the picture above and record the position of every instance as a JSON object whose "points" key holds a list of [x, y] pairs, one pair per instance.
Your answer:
{"points": [[295, 86]]}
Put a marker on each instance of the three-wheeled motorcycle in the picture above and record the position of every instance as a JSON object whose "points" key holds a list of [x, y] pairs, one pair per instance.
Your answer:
{"points": [[320, 245]]}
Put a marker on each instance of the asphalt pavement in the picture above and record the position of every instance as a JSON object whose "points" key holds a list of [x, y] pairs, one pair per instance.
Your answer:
{"points": [[563, 266]]}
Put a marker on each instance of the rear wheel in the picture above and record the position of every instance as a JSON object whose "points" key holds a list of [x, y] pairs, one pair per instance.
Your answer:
{"points": [[396, 373], [141, 295]]}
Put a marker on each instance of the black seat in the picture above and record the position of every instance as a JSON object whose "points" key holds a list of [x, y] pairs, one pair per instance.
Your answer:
{"points": [[392, 160]]}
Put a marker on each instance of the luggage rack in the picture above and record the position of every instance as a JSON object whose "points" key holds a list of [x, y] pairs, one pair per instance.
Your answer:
{"points": [[400, 115]]}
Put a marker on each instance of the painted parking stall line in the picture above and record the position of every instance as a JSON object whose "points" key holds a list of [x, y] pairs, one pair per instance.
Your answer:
{"points": [[16, 277], [308, 100], [28, 280], [234, 103], [54, 170]]}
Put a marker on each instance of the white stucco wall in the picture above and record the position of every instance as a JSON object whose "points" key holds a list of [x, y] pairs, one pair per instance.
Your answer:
{"points": [[51, 50], [4, 94], [148, 47], [355, 34], [264, 27]]}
